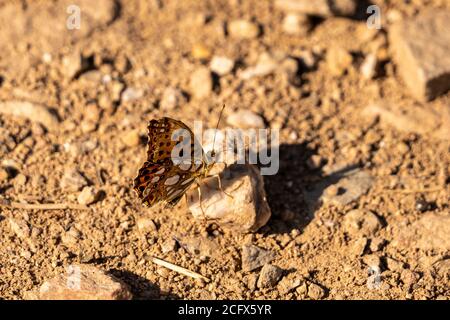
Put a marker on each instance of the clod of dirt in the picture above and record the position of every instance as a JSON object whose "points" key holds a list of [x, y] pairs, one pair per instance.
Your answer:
{"points": [[88, 195], [254, 257], [240, 206], [421, 47], [31, 111], [243, 29], [315, 291], [269, 276], [19, 227], [245, 119], [289, 283], [338, 60], [296, 24], [73, 180], [200, 246], [361, 222], [168, 245], [84, 282], [146, 225]]}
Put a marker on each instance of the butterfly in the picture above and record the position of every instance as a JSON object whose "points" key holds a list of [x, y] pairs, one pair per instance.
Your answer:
{"points": [[175, 160]]}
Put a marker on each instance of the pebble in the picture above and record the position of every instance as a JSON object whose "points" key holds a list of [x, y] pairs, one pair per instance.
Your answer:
{"points": [[172, 98], [358, 246], [373, 261], [200, 52], [245, 119], [168, 245], [31, 111], [315, 291], [289, 283], [269, 276], [296, 24], [243, 29], [84, 282], [132, 94], [20, 227], [71, 65], [146, 225], [132, 138], [254, 257], [368, 67], [321, 8], [266, 65], [245, 211], [338, 60], [420, 47], [361, 222], [376, 244], [221, 65], [73, 180], [201, 83], [88, 195], [3, 174], [20, 180]]}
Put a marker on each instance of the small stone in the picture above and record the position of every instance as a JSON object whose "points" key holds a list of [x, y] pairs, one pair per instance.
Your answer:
{"points": [[73, 180], [245, 119], [409, 278], [200, 52], [71, 65], [221, 65], [84, 282], [146, 225], [315, 291], [169, 245], [393, 264], [376, 244], [132, 94], [347, 189], [20, 179], [266, 65], [338, 60], [172, 98], [4, 176], [20, 227], [269, 276], [71, 237], [321, 8], [373, 261], [296, 24], [368, 67], [254, 257], [358, 246], [246, 211], [132, 138], [201, 83], [88, 196], [243, 29], [31, 111], [420, 48], [361, 222], [289, 283]]}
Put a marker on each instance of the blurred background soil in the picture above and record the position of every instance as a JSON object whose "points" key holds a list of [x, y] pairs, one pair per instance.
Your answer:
{"points": [[360, 205]]}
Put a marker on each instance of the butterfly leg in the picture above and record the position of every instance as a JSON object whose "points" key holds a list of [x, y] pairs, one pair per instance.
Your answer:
{"points": [[200, 201], [219, 181]]}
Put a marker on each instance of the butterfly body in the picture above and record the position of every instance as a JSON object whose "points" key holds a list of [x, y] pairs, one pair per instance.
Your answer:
{"points": [[170, 170]]}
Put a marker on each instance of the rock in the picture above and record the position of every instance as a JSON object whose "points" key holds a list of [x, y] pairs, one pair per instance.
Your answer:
{"points": [[84, 282], [368, 67], [172, 98], [87, 196], [322, 8], [254, 257], [72, 65], [71, 237], [348, 189], [429, 233], [441, 269], [146, 225], [409, 278], [20, 227], [315, 291], [246, 211], [376, 244], [243, 29], [31, 111], [296, 24], [373, 261], [221, 65], [413, 119], [266, 65], [200, 246], [168, 245], [361, 222], [394, 264], [420, 47], [73, 180], [289, 283], [132, 138], [132, 94], [245, 119], [4, 175], [358, 246], [269, 276], [20, 180], [201, 83], [200, 52], [338, 60]]}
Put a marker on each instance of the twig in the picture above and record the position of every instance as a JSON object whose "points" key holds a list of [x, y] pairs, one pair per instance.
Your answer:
{"points": [[178, 269], [42, 206]]}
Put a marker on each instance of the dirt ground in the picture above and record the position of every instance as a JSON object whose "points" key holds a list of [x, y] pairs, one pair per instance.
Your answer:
{"points": [[386, 237]]}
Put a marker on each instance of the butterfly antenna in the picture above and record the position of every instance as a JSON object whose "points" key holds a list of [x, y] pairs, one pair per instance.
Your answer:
{"points": [[215, 132]]}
